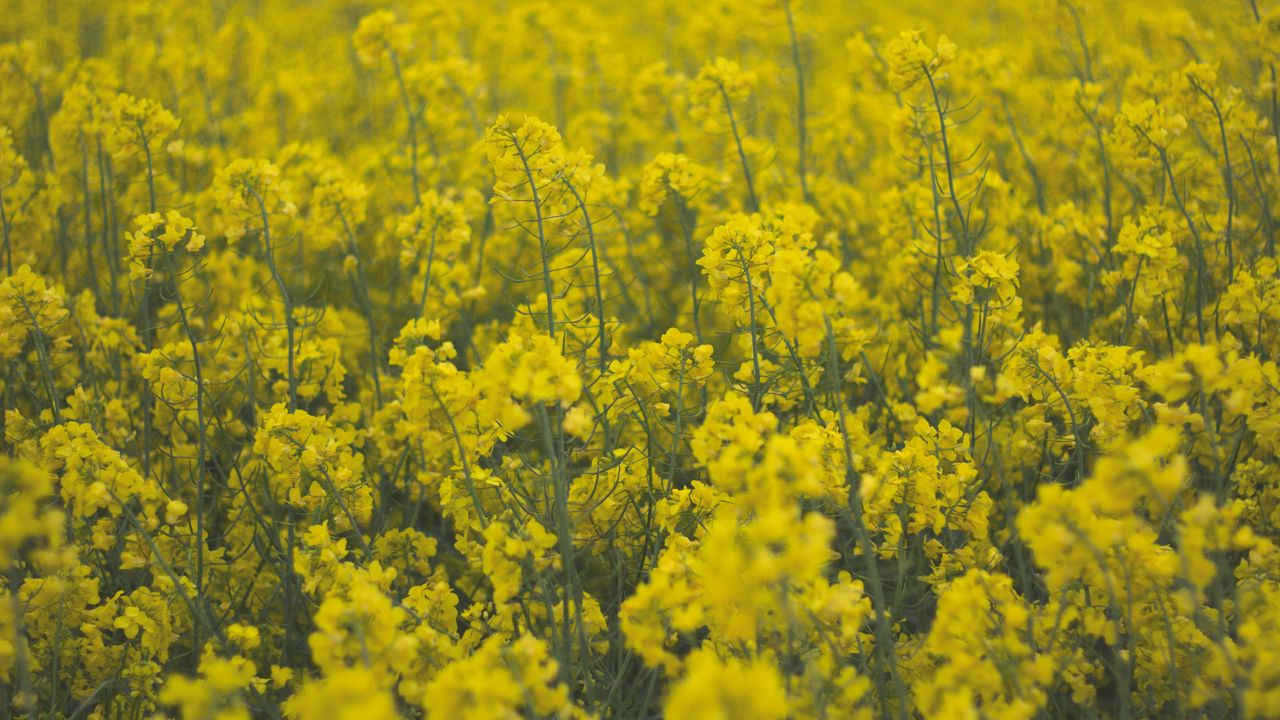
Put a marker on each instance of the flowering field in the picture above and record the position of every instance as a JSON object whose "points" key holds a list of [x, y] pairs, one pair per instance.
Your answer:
{"points": [[719, 359]]}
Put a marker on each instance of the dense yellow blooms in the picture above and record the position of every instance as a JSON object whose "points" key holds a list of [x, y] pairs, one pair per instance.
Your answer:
{"points": [[767, 359]]}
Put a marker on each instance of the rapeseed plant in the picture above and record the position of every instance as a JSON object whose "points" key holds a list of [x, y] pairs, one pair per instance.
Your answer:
{"points": [[777, 359]]}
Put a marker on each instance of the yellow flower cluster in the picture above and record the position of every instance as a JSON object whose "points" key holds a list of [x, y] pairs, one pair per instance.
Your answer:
{"points": [[775, 359]]}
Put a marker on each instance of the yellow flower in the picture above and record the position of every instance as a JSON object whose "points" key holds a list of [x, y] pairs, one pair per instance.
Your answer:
{"points": [[727, 688], [381, 37]]}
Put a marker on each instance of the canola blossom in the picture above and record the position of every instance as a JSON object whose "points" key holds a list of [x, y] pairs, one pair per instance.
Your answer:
{"points": [[775, 359]]}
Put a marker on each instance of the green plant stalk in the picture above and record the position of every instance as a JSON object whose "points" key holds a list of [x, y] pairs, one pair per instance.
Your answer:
{"points": [[753, 204]]}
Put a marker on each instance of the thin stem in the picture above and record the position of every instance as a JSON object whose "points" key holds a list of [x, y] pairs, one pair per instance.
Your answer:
{"points": [[366, 304], [883, 625], [801, 113], [595, 270], [753, 204], [289, 320], [413, 129], [751, 315], [542, 237]]}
